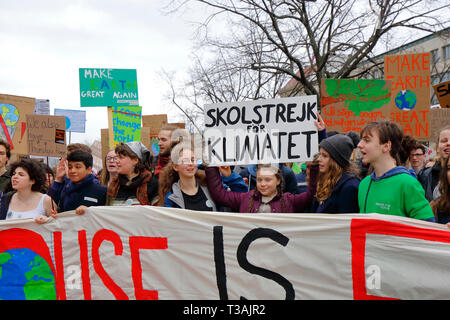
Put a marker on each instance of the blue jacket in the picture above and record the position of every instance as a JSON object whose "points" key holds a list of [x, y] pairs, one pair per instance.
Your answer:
{"points": [[343, 199], [69, 196]]}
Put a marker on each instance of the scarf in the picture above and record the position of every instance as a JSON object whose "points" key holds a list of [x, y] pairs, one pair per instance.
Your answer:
{"points": [[162, 162], [141, 191]]}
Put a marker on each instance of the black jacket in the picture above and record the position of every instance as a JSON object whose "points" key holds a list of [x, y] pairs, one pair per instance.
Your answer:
{"points": [[429, 179]]}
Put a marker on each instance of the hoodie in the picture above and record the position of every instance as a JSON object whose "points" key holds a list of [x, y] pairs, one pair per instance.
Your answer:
{"points": [[396, 192]]}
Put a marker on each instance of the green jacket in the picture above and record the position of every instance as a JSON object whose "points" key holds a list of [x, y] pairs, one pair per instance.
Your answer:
{"points": [[394, 193]]}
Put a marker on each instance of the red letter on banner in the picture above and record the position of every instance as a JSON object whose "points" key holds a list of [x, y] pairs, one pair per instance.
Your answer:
{"points": [[359, 230], [137, 243], [84, 260], [111, 236]]}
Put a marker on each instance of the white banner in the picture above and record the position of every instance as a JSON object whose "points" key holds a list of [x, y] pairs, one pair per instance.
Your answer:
{"points": [[261, 131], [143, 252]]}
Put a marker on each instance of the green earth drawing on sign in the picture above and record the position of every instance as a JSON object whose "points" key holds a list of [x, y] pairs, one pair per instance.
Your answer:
{"points": [[24, 275], [10, 116], [405, 100], [359, 95]]}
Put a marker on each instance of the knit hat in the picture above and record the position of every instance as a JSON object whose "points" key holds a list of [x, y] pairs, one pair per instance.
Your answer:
{"points": [[139, 149], [340, 147]]}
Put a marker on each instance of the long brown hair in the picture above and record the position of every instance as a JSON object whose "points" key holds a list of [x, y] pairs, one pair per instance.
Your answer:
{"points": [[328, 180], [279, 176], [442, 204], [104, 176]]}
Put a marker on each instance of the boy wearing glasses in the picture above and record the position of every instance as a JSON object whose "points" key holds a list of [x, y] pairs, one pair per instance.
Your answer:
{"points": [[417, 158]]}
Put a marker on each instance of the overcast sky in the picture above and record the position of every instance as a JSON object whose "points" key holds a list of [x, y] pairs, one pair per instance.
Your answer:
{"points": [[43, 43]]}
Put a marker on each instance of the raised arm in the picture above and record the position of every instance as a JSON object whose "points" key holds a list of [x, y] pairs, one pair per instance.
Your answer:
{"points": [[303, 200], [218, 193]]}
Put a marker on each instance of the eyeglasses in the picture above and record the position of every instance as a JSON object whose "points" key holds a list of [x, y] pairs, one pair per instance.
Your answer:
{"points": [[412, 155], [187, 161], [112, 159]]}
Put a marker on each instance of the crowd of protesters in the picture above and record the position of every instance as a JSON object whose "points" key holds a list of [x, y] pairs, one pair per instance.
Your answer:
{"points": [[391, 177]]}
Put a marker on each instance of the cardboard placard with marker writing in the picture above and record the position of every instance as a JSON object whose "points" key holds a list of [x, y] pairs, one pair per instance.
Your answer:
{"points": [[13, 122]]}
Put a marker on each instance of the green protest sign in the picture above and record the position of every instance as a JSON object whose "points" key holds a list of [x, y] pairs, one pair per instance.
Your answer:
{"points": [[108, 87], [124, 124]]}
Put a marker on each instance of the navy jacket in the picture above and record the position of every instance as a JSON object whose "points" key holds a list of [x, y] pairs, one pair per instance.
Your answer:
{"points": [[343, 199], [69, 195]]}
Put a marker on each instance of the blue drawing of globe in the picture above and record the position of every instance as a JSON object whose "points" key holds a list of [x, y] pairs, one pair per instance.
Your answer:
{"points": [[67, 122], [24, 275], [9, 113], [155, 148], [406, 100]]}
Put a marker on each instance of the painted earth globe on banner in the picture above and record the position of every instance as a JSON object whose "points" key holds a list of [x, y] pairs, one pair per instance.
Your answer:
{"points": [[406, 100], [24, 275], [10, 115]]}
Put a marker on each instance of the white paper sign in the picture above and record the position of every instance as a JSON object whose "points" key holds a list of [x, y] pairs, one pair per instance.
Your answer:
{"points": [[261, 131]]}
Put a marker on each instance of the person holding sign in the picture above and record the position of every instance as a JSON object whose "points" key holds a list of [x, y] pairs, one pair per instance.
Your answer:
{"points": [[338, 181], [178, 184], [390, 189], [82, 189], [135, 184], [268, 197], [26, 200], [182, 187]]}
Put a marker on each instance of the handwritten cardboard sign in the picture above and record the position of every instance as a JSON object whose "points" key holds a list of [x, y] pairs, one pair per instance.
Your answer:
{"points": [[410, 106], [155, 122], [46, 135], [439, 118], [13, 121], [442, 91], [349, 104], [108, 87], [261, 131]]}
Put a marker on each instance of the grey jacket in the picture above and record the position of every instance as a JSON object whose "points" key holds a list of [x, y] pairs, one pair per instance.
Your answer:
{"points": [[175, 198]]}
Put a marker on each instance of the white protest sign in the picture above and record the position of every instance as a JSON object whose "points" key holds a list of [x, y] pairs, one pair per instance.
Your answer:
{"points": [[42, 107], [146, 252], [261, 131]]}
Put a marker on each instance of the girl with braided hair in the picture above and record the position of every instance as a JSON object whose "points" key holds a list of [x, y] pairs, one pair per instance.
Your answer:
{"points": [[267, 197]]}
